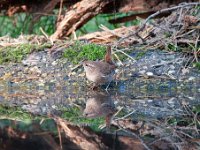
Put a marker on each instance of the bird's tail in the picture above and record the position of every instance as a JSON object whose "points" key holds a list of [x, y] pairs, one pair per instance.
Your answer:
{"points": [[108, 56]]}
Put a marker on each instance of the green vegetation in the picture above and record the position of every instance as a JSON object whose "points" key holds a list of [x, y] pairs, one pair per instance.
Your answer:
{"points": [[18, 118], [183, 121], [72, 114], [16, 113], [75, 115], [173, 47], [189, 120], [17, 53], [21, 24], [103, 19], [167, 34], [195, 13], [196, 109], [75, 53], [79, 51], [140, 55]]}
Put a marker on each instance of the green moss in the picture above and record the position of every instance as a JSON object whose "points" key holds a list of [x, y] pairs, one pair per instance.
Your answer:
{"points": [[197, 65], [195, 13], [26, 119], [172, 47], [16, 113], [196, 109], [140, 55], [74, 115], [79, 51], [180, 121], [186, 120], [167, 34], [17, 53], [22, 120]]}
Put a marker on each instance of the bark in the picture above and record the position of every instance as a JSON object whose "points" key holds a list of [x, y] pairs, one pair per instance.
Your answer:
{"points": [[84, 138], [114, 6], [77, 16]]}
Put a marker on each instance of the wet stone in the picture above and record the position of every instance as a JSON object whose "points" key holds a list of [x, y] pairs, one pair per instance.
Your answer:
{"points": [[191, 78], [171, 71], [149, 73], [142, 72]]}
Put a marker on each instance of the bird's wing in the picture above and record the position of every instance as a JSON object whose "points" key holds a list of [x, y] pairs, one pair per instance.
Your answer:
{"points": [[106, 69]]}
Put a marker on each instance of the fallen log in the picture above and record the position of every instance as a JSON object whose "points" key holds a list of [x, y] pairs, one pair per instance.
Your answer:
{"points": [[78, 15], [109, 36]]}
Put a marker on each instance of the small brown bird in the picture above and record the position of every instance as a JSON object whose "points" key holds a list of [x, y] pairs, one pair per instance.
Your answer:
{"points": [[100, 72]]}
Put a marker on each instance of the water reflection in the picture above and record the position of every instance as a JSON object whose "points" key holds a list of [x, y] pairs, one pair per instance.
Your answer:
{"points": [[99, 104], [149, 97]]}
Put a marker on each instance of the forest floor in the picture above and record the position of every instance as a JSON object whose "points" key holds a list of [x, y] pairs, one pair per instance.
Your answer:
{"points": [[154, 99]]}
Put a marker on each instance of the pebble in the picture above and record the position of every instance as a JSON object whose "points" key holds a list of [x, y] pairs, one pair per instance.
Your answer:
{"points": [[191, 98], [142, 72], [171, 71], [44, 75], [35, 70], [149, 73], [171, 101], [172, 67], [191, 78], [54, 63], [26, 70], [145, 67]]}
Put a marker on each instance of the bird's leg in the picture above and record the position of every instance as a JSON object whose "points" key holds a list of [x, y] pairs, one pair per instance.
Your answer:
{"points": [[107, 86]]}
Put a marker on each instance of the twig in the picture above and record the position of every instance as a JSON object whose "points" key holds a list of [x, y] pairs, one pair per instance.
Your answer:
{"points": [[183, 133], [117, 50], [196, 122], [165, 10], [196, 49], [60, 9], [180, 15], [118, 112], [186, 41], [154, 15], [59, 135], [179, 36], [126, 115], [118, 59], [47, 37], [110, 31]]}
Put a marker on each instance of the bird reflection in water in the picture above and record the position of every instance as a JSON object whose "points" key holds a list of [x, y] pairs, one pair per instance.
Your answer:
{"points": [[99, 104]]}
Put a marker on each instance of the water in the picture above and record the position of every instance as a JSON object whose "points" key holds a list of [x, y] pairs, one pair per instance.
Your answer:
{"points": [[145, 96], [25, 106]]}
